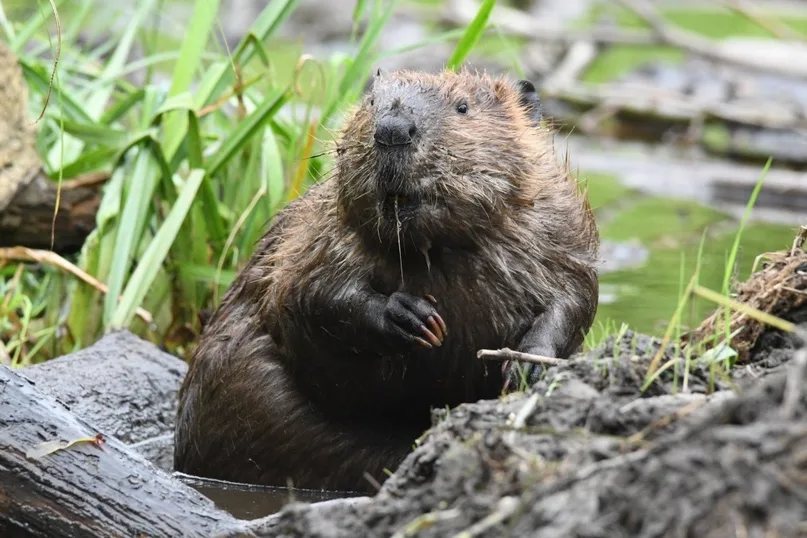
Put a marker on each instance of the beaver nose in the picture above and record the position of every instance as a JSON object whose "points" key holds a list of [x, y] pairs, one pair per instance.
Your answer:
{"points": [[395, 130]]}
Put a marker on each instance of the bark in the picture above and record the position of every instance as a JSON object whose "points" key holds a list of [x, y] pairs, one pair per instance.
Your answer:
{"points": [[86, 490], [27, 220]]}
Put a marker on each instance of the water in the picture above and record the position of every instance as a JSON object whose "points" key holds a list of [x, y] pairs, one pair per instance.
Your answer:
{"points": [[249, 501], [654, 206]]}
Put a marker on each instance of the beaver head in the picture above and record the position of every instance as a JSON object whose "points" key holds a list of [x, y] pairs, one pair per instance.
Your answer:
{"points": [[437, 159]]}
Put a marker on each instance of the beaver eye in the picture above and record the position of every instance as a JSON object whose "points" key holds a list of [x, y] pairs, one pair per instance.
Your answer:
{"points": [[372, 101], [462, 108]]}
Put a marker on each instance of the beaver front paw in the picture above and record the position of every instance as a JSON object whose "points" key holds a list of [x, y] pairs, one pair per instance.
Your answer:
{"points": [[414, 320]]}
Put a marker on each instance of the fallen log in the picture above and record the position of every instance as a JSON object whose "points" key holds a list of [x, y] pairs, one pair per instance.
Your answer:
{"points": [[86, 490], [28, 218], [123, 385], [123, 388]]}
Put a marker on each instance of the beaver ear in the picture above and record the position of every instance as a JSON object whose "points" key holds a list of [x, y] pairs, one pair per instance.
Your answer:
{"points": [[528, 98], [368, 86]]}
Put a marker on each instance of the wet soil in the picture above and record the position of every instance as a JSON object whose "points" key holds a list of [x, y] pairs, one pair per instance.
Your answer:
{"points": [[586, 452]]}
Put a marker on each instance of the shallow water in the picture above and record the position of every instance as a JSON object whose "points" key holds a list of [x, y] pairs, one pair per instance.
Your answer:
{"points": [[655, 204], [248, 501]]}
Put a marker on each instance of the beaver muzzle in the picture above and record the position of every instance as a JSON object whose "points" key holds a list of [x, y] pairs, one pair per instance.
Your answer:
{"points": [[395, 130]]}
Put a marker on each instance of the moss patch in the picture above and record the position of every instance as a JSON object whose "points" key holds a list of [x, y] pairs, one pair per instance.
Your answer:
{"points": [[661, 222], [619, 60]]}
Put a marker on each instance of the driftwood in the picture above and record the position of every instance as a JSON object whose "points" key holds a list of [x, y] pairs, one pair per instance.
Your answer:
{"points": [[86, 490], [48, 257], [711, 49], [121, 386], [517, 22], [655, 102]]}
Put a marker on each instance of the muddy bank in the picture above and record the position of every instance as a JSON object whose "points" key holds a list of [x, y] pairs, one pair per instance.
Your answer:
{"points": [[586, 453]]}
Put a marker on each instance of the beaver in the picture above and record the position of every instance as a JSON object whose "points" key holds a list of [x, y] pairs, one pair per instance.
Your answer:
{"points": [[448, 226]]}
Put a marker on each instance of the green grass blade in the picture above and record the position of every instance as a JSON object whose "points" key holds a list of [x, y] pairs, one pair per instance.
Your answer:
{"points": [[90, 161], [35, 24], [272, 170], [221, 74], [265, 26], [94, 133], [137, 199], [206, 274], [97, 100], [8, 28], [735, 247], [194, 44], [360, 67], [121, 107], [750, 311], [152, 259], [38, 80], [248, 128], [471, 35], [189, 61]]}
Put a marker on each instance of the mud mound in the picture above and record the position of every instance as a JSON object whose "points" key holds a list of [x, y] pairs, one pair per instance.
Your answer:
{"points": [[586, 453]]}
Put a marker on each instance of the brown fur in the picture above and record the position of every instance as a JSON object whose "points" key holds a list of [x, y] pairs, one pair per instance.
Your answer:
{"points": [[290, 379]]}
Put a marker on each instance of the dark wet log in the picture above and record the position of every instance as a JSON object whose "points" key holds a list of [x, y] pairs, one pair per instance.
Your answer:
{"points": [[122, 384], [87, 490], [27, 220]]}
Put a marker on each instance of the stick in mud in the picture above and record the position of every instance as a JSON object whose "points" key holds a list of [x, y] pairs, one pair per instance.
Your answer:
{"points": [[507, 354]]}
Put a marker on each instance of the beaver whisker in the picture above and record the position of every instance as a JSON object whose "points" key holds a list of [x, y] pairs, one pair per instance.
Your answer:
{"points": [[398, 227]]}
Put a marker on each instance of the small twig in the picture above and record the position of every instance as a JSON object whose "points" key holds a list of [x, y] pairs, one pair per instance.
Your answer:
{"points": [[505, 508], [507, 354], [794, 290], [51, 258]]}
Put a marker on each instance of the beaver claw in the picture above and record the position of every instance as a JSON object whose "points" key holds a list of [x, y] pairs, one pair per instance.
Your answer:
{"points": [[415, 320]]}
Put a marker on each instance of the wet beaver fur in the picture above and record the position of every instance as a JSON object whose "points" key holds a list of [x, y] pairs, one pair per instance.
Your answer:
{"points": [[449, 226]]}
